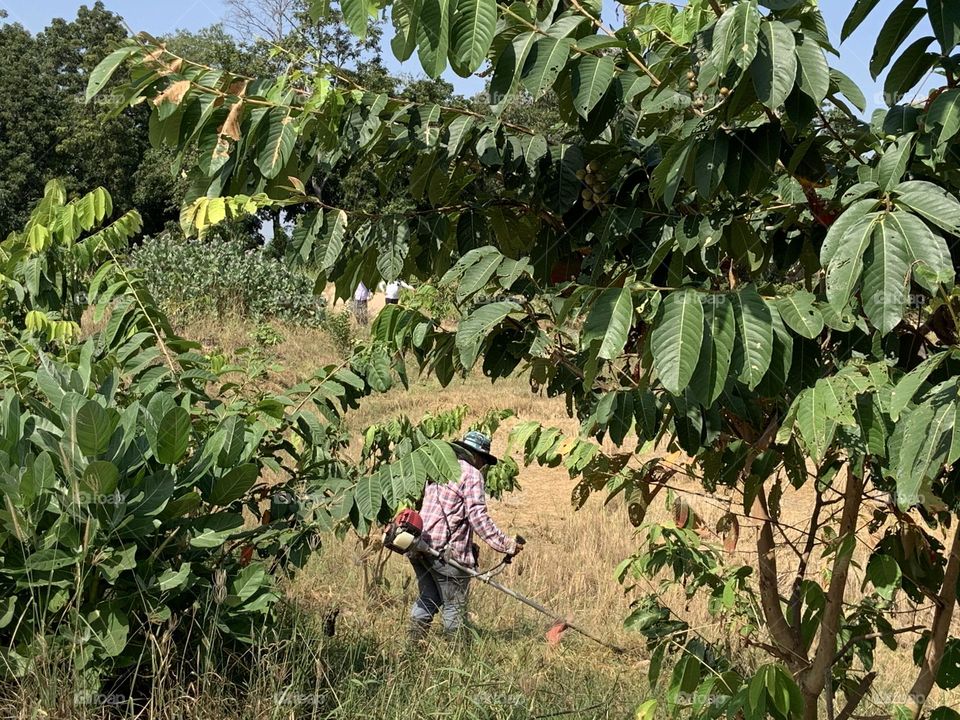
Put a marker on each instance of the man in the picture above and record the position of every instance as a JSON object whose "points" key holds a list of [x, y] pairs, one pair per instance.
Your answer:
{"points": [[360, 299], [393, 289], [451, 513]]}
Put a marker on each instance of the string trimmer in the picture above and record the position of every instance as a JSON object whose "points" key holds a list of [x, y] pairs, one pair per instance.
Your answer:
{"points": [[403, 536]]}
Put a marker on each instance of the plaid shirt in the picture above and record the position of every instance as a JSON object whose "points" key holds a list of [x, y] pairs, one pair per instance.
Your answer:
{"points": [[452, 512]]}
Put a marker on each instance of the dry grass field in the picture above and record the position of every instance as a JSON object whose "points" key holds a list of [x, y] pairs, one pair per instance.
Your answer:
{"points": [[568, 565]]}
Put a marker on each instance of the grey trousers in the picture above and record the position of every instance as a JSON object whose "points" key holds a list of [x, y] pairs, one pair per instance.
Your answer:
{"points": [[446, 594]]}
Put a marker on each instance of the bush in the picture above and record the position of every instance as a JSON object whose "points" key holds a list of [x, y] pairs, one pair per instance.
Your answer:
{"points": [[192, 278]]}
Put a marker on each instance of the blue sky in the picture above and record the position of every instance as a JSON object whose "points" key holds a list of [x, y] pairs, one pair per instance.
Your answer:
{"points": [[162, 17]]}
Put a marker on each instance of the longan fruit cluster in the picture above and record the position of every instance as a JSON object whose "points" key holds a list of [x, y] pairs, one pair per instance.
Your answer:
{"points": [[595, 193]]}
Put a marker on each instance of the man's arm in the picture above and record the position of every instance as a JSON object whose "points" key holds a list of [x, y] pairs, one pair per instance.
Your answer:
{"points": [[476, 506]]}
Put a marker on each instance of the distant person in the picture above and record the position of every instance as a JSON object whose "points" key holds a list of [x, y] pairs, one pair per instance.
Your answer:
{"points": [[361, 297], [393, 291], [451, 513]]}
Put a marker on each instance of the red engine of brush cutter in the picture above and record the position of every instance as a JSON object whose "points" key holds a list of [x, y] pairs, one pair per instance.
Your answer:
{"points": [[403, 533]]}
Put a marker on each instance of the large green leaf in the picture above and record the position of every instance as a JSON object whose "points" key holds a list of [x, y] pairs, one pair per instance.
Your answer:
{"points": [[736, 36], [909, 69], [944, 115], [861, 9], [355, 14], [945, 18], [925, 435], [473, 330], [929, 256], [894, 162], [102, 73], [774, 70], [433, 36], [710, 164], [609, 321], [813, 73], [897, 28], [591, 77], [910, 383], [846, 266], [368, 495], [544, 63], [799, 313], [930, 201], [173, 436], [405, 16], [716, 350], [234, 484], [278, 144], [816, 413], [756, 335], [676, 339], [886, 277], [474, 22], [835, 235], [94, 426]]}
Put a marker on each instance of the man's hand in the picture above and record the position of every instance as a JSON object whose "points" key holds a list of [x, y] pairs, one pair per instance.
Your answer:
{"points": [[518, 543]]}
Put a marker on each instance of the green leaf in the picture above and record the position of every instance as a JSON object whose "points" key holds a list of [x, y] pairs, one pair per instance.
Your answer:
{"points": [[478, 273], [944, 113], [909, 69], [609, 321], [277, 145], [591, 77], [405, 16], [736, 36], [926, 435], [105, 70], [440, 460], [94, 427], [910, 383], [945, 18], [234, 485], [894, 162], [835, 235], [433, 36], [214, 530], [173, 436], [931, 202], [756, 335], [816, 411], [473, 330], [716, 350], [929, 256], [474, 22], [356, 16], [861, 9], [774, 70], [676, 339], [886, 277], [710, 164], [846, 266], [884, 574], [110, 627], [800, 314], [100, 479], [171, 579], [544, 63], [813, 73], [897, 28], [849, 89], [368, 496]]}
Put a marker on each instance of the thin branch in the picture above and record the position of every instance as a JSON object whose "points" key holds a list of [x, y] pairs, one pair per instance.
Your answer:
{"points": [[816, 676]]}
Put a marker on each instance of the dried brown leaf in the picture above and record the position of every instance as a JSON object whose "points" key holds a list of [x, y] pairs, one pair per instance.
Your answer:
{"points": [[173, 94]]}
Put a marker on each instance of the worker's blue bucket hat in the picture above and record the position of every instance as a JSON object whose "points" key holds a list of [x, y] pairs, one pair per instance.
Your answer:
{"points": [[478, 443]]}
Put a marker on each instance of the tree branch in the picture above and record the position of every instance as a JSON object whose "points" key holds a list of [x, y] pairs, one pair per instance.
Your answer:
{"points": [[815, 677], [942, 618]]}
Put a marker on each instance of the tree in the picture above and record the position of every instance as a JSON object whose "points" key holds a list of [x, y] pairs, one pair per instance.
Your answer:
{"points": [[702, 260]]}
